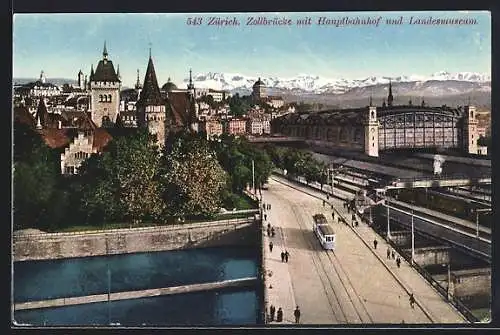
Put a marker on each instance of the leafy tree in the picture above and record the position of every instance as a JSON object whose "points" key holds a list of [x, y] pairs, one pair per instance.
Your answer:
{"points": [[35, 175], [192, 178], [122, 183]]}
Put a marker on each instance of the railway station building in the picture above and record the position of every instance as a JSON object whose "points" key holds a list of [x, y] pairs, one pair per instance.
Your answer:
{"points": [[371, 129]]}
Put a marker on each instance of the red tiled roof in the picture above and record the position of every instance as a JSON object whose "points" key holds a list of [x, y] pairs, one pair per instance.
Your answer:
{"points": [[101, 139], [179, 108], [21, 114], [56, 138]]}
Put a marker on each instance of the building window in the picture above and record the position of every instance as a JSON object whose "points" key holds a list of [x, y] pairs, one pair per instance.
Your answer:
{"points": [[100, 98], [109, 97], [69, 170]]}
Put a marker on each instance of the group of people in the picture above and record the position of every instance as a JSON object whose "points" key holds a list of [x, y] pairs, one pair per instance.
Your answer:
{"points": [[392, 254], [279, 314]]}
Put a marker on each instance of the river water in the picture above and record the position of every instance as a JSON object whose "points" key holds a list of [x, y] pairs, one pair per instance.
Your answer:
{"points": [[37, 280]]}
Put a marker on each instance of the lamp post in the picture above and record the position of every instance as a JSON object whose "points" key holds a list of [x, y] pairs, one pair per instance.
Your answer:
{"points": [[253, 176], [388, 218], [479, 211], [109, 279], [448, 293], [412, 236]]}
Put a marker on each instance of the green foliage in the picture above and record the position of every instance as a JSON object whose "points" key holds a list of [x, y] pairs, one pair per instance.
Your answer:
{"points": [[35, 178], [192, 179], [240, 105], [122, 182]]}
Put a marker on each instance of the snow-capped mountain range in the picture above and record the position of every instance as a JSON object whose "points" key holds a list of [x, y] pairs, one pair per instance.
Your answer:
{"points": [[319, 85]]}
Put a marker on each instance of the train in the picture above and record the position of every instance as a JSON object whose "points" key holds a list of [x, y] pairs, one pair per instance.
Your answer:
{"points": [[324, 232]]}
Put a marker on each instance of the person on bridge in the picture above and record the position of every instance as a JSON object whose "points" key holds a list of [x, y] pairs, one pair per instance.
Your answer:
{"points": [[333, 215], [412, 301], [268, 232], [279, 315], [272, 310], [388, 253], [375, 242], [265, 217], [271, 246], [323, 203], [282, 256], [296, 313], [393, 254], [398, 262], [269, 206], [273, 232], [286, 256]]}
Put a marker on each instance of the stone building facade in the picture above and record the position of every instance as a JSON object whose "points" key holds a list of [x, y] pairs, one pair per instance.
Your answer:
{"points": [[104, 88]]}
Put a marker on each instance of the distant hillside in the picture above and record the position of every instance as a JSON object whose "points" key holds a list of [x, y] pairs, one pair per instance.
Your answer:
{"points": [[55, 81]]}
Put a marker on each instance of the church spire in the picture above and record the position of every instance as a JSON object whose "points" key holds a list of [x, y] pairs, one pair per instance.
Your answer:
{"points": [[371, 101], [138, 82], [190, 85], [390, 98], [150, 94], [118, 71], [105, 51]]}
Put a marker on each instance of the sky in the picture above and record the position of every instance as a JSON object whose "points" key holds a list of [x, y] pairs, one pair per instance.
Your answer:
{"points": [[62, 44]]}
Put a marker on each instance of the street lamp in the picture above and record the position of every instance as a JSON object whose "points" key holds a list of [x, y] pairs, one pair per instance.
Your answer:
{"points": [[253, 176], [478, 211], [412, 236], [388, 218]]}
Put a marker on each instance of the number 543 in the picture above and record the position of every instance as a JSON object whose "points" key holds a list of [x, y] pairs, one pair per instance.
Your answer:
{"points": [[194, 21]]}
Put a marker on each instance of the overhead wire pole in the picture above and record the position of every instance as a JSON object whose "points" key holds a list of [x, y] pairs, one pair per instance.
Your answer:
{"points": [[412, 237], [253, 176]]}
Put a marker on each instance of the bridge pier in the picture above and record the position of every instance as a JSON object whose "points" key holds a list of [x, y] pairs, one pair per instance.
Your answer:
{"points": [[471, 285], [425, 256], [401, 237]]}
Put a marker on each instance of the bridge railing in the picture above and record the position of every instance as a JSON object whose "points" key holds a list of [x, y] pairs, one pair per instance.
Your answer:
{"points": [[438, 177], [436, 285]]}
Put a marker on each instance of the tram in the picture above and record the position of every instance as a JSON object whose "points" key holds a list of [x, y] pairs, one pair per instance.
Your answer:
{"points": [[324, 232]]}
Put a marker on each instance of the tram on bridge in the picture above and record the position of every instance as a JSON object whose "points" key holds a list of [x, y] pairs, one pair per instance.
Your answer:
{"points": [[324, 232]]}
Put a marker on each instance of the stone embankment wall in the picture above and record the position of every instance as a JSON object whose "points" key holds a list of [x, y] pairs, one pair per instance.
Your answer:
{"points": [[44, 246]]}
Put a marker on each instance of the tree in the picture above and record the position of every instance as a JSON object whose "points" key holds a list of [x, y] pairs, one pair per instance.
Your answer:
{"points": [[122, 183], [35, 175], [192, 178]]}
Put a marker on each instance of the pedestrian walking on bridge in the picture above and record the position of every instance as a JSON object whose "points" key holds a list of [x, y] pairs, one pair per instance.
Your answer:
{"points": [[271, 246], [265, 217], [296, 313], [282, 256], [286, 256], [393, 254], [388, 253], [375, 244], [279, 315], [272, 310], [412, 301], [333, 215], [273, 232], [398, 262]]}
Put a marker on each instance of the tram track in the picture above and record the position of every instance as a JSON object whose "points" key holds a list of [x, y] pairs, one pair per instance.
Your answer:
{"points": [[324, 257], [342, 215], [327, 284]]}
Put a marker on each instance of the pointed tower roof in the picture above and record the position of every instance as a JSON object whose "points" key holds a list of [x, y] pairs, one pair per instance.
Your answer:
{"points": [[138, 82], [150, 94], [105, 70], [41, 112], [118, 71], [390, 98], [105, 51], [190, 85], [92, 72]]}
